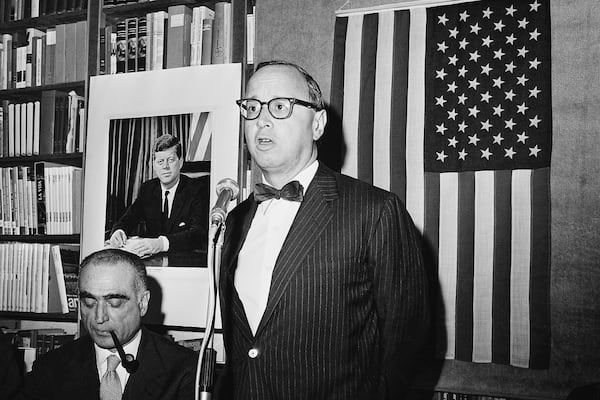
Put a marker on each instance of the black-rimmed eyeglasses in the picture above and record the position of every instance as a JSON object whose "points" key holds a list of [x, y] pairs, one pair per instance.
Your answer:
{"points": [[279, 107]]}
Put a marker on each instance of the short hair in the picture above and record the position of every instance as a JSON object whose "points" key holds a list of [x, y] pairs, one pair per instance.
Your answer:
{"points": [[118, 256], [166, 141], [314, 91]]}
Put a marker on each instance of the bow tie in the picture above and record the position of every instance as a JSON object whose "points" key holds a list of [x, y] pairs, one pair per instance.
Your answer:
{"points": [[292, 191]]}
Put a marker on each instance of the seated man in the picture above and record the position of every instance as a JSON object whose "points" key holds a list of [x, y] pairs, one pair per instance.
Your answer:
{"points": [[114, 297], [174, 207]]}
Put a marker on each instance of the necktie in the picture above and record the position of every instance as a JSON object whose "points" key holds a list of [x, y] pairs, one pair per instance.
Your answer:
{"points": [[110, 384], [165, 210], [292, 191]]}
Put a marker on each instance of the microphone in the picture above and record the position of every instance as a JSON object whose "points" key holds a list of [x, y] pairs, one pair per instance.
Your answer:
{"points": [[127, 360], [228, 190]]}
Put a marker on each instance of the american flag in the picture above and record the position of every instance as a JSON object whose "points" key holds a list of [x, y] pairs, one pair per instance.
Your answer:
{"points": [[450, 107]]}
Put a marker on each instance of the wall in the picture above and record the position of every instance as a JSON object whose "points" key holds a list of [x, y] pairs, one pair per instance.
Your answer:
{"points": [[302, 31]]}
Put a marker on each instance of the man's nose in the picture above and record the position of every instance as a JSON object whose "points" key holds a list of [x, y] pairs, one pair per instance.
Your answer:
{"points": [[101, 315], [264, 118]]}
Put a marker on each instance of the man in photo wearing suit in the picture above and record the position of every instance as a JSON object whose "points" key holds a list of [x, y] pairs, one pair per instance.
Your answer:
{"points": [[323, 288], [113, 297], [173, 206]]}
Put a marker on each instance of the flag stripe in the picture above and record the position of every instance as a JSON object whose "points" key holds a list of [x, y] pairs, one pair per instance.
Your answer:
{"points": [[447, 272], [352, 93], [368, 61], [465, 253], [501, 290], [383, 101], [484, 266], [337, 73], [540, 267], [520, 262], [431, 240], [416, 118], [399, 104]]}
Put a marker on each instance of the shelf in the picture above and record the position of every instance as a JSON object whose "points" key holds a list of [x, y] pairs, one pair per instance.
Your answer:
{"points": [[73, 239], [74, 159], [45, 21], [34, 91], [69, 317], [132, 9]]}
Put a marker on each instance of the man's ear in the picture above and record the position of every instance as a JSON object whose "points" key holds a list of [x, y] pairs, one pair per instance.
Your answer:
{"points": [[319, 122], [143, 303]]}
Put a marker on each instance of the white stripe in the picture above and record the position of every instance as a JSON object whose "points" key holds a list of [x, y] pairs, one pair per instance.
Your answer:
{"points": [[415, 122], [395, 7], [519, 272], [483, 264], [352, 94], [448, 254], [383, 101]]}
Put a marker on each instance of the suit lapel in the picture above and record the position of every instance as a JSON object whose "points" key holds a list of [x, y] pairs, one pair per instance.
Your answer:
{"points": [[150, 372], [312, 218], [82, 368], [237, 230]]}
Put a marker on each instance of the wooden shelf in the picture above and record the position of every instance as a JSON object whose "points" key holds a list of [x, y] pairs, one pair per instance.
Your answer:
{"points": [[71, 239], [69, 317], [74, 159], [34, 91], [132, 9], [44, 21]]}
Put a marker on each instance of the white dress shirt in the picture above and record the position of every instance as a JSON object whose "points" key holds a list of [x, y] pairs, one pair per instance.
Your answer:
{"points": [[170, 197], [102, 355], [259, 252]]}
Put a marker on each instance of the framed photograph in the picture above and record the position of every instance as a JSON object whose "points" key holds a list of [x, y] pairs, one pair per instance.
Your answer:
{"points": [[126, 112]]}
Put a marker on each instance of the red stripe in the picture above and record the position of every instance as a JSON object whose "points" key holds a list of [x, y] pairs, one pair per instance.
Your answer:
{"points": [[464, 279], [502, 249], [367, 97], [540, 269], [399, 104]]}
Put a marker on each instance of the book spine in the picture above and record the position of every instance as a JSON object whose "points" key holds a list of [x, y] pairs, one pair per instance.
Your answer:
{"points": [[132, 47], [121, 51], [179, 36], [142, 38]]}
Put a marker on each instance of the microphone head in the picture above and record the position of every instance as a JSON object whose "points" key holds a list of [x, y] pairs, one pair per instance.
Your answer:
{"points": [[228, 184]]}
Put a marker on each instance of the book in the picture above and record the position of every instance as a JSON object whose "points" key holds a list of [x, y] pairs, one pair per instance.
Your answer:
{"points": [[132, 47], [121, 50], [49, 119], [70, 40], [142, 38], [81, 50], [221, 37], [159, 28], [179, 36], [207, 34], [58, 287], [60, 53], [50, 56], [201, 17]]}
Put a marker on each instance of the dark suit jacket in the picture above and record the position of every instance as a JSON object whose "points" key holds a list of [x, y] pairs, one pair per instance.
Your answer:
{"points": [[166, 371], [187, 226], [587, 392], [347, 309], [10, 369]]}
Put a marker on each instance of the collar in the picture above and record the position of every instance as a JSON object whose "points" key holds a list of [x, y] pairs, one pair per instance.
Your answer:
{"points": [[305, 176], [130, 348]]}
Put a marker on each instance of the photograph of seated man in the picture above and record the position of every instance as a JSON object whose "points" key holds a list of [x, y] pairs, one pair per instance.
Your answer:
{"points": [[172, 207]]}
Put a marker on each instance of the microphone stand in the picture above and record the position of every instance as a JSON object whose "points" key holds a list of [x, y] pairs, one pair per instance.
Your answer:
{"points": [[207, 360]]}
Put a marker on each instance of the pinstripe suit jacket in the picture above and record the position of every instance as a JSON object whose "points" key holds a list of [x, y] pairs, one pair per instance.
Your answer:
{"points": [[347, 308]]}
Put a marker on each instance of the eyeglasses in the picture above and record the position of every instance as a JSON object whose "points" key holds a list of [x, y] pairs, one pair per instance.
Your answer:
{"points": [[161, 162], [279, 107]]}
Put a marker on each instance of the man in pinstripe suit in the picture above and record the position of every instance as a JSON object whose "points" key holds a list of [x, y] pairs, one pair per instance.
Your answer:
{"points": [[323, 291]]}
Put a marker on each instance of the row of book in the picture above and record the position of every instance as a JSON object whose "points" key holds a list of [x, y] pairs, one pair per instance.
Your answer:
{"points": [[45, 199], [179, 37], [56, 124], [32, 343], [16, 10], [34, 279], [444, 395], [35, 57]]}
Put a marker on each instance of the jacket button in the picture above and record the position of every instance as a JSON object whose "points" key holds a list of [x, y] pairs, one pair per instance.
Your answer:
{"points": [[253, 353]]}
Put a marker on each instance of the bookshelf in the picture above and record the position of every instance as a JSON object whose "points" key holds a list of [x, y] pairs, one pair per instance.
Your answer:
{"points": [[43, 79]]}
